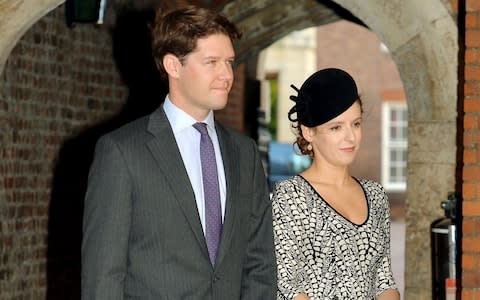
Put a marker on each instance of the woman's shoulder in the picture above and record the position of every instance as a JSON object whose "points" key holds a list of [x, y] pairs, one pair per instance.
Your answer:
{"points": [[288, 187], [289, 183], [290, 194], [370, 184]]}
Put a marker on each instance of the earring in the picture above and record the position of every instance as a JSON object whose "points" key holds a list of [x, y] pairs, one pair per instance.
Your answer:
{"points": [[309, 147]]}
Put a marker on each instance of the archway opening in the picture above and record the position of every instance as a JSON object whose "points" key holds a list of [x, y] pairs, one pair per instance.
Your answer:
{"points": [[382, 157]]}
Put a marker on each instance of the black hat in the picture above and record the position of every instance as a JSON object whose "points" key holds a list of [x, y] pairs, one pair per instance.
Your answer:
{"points": [[323, 96]]}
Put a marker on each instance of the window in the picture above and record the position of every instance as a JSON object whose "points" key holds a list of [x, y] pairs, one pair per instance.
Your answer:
{"points": [[394, 146]]}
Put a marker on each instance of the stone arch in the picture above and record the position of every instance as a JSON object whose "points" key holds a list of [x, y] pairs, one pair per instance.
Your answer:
{"points": [[17, 17], [422, 38], [423, 42]]}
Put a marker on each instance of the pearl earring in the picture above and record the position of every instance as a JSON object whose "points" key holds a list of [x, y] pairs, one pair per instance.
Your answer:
{"points": [[309, 147]]}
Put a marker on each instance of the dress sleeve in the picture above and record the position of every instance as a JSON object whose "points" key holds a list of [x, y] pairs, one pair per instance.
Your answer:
{"points": [[385, 278], [287, 246]]}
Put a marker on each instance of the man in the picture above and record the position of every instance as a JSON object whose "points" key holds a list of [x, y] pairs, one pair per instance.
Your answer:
{"points": [[156, 225]]}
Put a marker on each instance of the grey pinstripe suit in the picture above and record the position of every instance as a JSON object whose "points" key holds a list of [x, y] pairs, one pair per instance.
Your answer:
{"points": [[142, 234]]}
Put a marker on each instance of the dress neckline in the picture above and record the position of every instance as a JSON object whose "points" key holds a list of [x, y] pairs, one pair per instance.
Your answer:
{"points": [[336, 211]]}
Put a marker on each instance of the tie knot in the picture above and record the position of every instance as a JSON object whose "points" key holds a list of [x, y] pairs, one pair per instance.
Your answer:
{"points": [[202, 127]]}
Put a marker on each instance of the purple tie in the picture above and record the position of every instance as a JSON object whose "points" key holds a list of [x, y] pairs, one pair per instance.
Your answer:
{"points": [[213, 212]]}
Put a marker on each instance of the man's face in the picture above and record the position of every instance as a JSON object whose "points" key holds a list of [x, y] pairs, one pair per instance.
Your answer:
{"points": [[205, 76]]}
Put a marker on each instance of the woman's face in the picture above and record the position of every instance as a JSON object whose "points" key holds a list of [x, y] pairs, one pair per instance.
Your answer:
{"points": [[337, 141]]}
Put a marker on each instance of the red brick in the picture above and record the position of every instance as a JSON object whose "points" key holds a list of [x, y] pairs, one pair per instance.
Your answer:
{"points": [[472, 6], [468, 227], [471, 173], [471, 209], [472, 89], [469, 157], [472, 72], [467, 295], [470, 121], [470, 279], [472, 105], [468, 262], [471, 244], [469, 190], [469, 138], [472, 38], [471, 21]]}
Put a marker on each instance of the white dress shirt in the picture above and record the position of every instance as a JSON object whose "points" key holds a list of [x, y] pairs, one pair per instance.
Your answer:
{"points": [[188, 141]]}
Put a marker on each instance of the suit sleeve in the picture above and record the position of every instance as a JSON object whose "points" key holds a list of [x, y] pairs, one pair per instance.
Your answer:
{"points": [[259, 273], [106, 224]]}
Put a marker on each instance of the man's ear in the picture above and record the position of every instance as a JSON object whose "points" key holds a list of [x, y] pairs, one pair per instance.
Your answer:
{"points": [[171, 64]]}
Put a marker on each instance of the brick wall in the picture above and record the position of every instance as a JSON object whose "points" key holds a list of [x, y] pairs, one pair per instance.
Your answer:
{"points": [[232, 115], [471, 152], [57, 83]]}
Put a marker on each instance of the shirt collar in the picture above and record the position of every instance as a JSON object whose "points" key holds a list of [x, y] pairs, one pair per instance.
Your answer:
{"points": [[180, 120]]}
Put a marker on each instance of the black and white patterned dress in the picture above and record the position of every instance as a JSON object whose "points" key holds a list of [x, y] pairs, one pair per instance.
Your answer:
{"points": [[324, 255]]}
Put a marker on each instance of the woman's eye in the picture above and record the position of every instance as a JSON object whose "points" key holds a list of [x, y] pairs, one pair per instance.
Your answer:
{"points": [[335, 128]]}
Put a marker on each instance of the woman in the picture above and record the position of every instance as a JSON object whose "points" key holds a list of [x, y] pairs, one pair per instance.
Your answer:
{"points": [[332, 231]]}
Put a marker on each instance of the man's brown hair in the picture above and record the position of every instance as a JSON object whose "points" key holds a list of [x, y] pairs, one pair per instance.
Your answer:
{"points": [[176, 32]]}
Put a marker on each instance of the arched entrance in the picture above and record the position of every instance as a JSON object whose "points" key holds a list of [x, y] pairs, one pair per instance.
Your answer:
{"points": [[423, 42]]}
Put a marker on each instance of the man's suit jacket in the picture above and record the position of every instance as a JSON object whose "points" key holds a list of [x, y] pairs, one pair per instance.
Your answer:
{"points": [[142, 234]]}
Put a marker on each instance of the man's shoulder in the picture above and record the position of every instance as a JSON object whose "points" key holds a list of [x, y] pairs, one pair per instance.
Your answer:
{"points": [[129, 132], [234, 134]]}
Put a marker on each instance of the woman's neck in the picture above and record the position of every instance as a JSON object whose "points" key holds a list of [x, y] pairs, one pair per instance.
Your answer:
{"points": [[325, 173]]}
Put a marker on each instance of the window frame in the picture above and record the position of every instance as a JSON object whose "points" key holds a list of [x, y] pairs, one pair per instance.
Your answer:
{"points": [[388, 144]]}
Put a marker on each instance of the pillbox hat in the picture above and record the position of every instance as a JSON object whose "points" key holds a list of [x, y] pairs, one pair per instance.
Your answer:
{"points": [[323, 96]]}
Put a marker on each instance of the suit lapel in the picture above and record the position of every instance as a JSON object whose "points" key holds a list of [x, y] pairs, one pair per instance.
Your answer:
{"points": [[231, 165], [165, 151]]}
